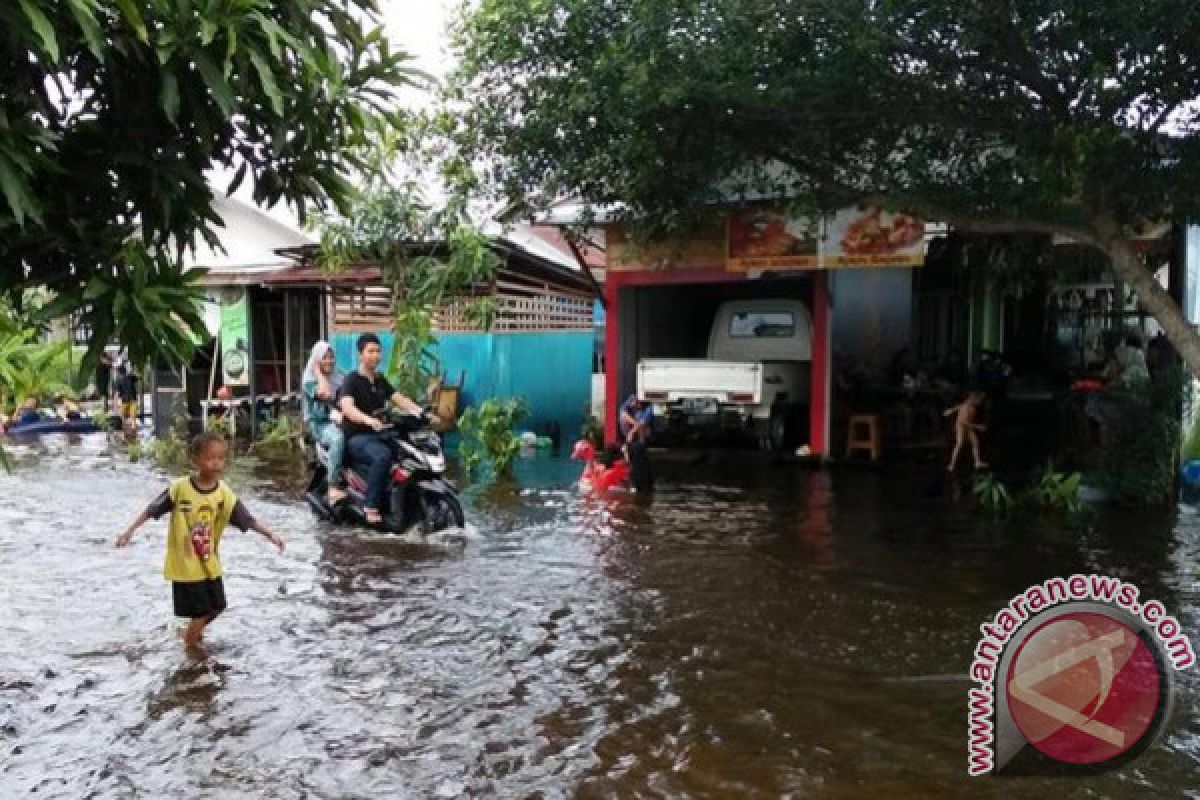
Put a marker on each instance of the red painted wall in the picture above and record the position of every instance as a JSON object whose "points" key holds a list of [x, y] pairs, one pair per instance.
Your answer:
{"points": [[819, 403]]}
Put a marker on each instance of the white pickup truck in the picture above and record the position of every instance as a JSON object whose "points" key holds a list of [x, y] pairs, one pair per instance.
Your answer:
{"points": [[756, 375]]}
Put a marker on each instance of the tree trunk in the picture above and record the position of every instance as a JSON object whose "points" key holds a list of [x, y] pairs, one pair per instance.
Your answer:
{"points": [[1154, 299]]}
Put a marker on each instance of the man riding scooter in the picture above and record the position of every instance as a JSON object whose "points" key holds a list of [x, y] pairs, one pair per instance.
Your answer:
{"points": [[364, 393]]}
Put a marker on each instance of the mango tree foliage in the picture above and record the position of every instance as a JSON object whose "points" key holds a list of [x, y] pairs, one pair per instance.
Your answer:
{"points": [[1070, 117], [112, 111]]}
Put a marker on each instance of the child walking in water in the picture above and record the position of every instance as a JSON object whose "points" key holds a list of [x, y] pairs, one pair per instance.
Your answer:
{"points": [[966, 428], [200, 505]]}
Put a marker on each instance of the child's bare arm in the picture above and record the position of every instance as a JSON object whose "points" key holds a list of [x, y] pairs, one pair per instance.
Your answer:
{"points": [[270, 535], [246, 521], [127, 535], [161, 505]]}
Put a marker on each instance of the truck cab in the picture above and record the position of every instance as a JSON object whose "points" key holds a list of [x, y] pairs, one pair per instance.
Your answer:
{"points": [[756, 375]]}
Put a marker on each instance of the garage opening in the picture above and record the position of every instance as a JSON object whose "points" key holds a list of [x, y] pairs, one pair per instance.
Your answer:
{"points": [[766, 321]]}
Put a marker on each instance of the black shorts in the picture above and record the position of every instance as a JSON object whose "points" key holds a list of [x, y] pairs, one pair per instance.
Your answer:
{"points": [[195, 599]]}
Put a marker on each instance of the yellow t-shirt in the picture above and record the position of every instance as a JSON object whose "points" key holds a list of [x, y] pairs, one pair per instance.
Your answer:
{"points": [[196, 517]]}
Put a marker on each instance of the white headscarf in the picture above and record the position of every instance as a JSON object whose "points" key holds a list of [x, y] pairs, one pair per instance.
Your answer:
{"points": [[313, 367]]}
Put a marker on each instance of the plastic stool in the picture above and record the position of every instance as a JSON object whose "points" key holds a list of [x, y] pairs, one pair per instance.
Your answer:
{"points": [[862, 434]]}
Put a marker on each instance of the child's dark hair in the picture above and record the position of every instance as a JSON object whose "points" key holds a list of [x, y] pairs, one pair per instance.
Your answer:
{"points": [[366, 339], [201, 441]]}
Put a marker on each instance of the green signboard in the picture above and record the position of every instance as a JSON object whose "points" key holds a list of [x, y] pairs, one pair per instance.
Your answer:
{"points": [[235, 333]]}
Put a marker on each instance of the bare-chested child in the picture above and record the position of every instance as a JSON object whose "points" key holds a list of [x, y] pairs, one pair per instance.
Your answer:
{"points": [[967, 428]]}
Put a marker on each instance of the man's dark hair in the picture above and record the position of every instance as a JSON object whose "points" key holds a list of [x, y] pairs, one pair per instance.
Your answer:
{"points": [[366, 339], [201, 441]]}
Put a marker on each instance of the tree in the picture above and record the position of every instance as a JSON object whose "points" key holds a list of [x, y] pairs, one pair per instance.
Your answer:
{"points": [[429, 256], [111, 112], [1069, 117]]}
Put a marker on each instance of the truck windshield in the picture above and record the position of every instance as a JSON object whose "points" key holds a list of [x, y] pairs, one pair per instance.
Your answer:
{"points": [[762, 325]]}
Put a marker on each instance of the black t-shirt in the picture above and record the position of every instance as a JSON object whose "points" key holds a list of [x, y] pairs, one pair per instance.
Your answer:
{"points": [[368, 396], [127, 388]]}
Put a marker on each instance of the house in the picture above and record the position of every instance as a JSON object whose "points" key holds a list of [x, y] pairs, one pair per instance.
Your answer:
{"points": [[540, 345], [935, 306], [661, 298]]}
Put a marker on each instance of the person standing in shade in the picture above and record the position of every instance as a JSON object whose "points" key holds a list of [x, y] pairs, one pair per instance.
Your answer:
{"points": [[127, 394], [636, 420], [364, 393], [104, 380]]}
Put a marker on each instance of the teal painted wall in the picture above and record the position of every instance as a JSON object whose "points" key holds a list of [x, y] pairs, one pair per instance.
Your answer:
{"points": [[552, 371]]}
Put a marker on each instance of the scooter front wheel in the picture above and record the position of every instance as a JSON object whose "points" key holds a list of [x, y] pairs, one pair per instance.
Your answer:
{"points": [[439, 512]]}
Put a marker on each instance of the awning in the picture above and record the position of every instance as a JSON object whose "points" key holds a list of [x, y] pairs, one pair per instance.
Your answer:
{"points": [[298, 277]]}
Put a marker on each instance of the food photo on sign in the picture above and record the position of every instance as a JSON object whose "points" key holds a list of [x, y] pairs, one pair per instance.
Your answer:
{"points": [[761, 239], [873, 237]]}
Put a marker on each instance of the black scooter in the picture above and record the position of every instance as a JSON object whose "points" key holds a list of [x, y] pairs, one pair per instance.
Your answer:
{"points": [[419, 495]]}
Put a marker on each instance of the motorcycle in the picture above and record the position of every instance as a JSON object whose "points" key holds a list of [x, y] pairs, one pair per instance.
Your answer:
{"points": [[419, 494]]}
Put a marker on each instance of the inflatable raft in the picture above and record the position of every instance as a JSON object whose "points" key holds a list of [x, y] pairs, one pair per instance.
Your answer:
{"points": [[44, 426]]}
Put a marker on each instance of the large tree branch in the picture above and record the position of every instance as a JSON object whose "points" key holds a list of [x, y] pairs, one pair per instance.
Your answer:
{"points": [[982, 222], [1027, 63], [825, 176]]}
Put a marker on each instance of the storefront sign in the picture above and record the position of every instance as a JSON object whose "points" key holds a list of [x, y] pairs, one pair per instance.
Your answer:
{"points": [[764, 240], [235, 333], [871, 237], [867, 237]]}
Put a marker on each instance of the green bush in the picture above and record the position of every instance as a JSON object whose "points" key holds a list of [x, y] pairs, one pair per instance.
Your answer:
{"points": [[488, 441], [1057, 491], [1054, 492], [29, 368], [282, 437], [171, 451], [593, 430], [992, 495], [1191, 443], [1144, 441], [222, 425]]}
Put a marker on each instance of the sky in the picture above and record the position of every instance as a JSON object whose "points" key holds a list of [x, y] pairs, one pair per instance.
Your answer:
{"points": [[417, 27]]}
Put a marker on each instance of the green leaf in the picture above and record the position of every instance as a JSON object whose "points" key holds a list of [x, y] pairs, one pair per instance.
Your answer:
{"points": [[208, 32], [97, 287], [41, 26], [238, 177], [267, 79], [84, 12], [60, 307], [15, 192], [170, 96], [217, 84], [134, 17]]}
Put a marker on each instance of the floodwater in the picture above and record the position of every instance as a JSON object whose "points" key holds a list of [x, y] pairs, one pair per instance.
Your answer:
{"points": [[751, 631]]}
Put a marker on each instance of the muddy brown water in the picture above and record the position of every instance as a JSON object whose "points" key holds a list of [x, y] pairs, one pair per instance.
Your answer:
{"points": [[749, 632]]}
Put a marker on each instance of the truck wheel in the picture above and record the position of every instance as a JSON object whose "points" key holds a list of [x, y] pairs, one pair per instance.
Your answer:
{"points": [[783, 428], [777, 429]]}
